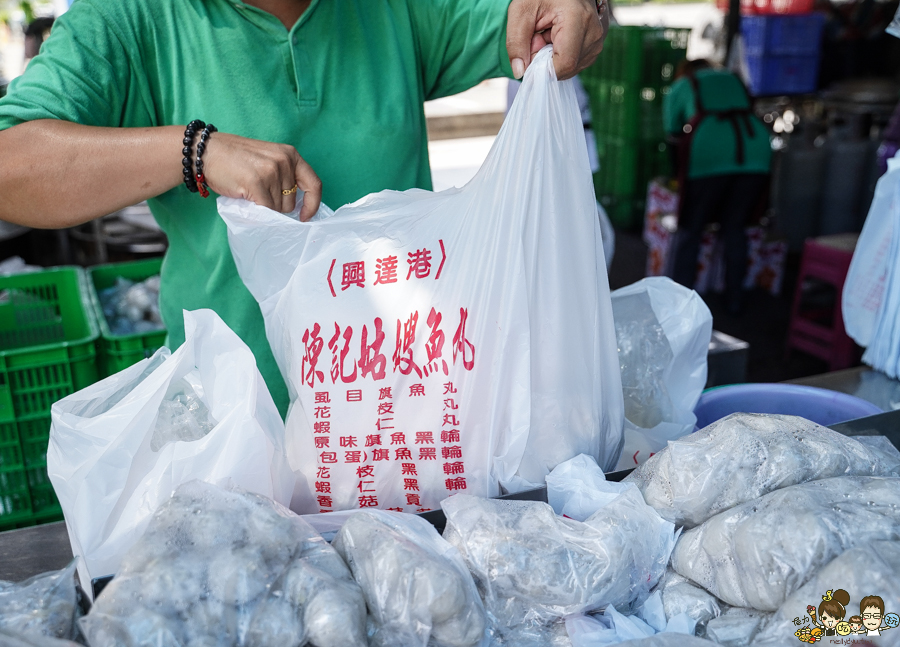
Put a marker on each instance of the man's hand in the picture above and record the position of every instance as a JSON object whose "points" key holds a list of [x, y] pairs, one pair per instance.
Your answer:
{"points": [[237, 167], [573, 26]]}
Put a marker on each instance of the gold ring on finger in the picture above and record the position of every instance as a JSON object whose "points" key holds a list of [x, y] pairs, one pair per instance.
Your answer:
{"points": [[293, 189]]}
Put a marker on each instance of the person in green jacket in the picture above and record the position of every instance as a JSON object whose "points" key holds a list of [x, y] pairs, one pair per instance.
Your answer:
{"points": [[321, 95], [724, 158]]}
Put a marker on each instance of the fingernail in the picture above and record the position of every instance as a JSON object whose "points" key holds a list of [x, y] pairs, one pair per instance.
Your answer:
{"points": [[518, 66]]}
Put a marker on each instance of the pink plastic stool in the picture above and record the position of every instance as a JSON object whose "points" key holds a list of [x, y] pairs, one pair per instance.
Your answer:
{"points": [[825, 259]]}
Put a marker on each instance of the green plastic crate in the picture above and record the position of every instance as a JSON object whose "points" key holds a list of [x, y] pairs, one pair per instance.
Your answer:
{"points": [[34, 436], [47, 337], [15, 498], [639, 56], [626, 167], [118, 352], [626, 87], [627, 82]]}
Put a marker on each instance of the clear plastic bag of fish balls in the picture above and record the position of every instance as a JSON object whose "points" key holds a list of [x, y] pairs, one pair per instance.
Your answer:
{"points": [[228, 568], [533, 566], [758, 553], [744, 456], [417, 587], [44, 605]]}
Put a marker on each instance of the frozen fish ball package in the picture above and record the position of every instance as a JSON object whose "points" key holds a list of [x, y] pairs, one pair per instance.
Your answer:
{"points": [[867, 569], [534, 567], [744, 456], [228, 568], [417, 587], [758, 553], [44, 605]]}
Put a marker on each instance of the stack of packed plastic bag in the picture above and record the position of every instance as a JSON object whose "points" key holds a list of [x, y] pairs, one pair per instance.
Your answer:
{"points": [[768, 502], [202, 412], [871, 294], [758, 553], [445, 342], [232, 569], [598, 545], [663, 331]]}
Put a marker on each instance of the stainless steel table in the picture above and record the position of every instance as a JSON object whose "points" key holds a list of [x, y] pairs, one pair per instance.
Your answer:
{"points": [[863, 382], [30, 551]]}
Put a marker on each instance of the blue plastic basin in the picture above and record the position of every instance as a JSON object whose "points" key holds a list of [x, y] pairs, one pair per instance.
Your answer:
{"points": [[822, 406]]}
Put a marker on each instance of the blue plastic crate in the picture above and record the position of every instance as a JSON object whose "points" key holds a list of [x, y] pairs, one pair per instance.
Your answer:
{"points": [[773, 75], [782, 35]]}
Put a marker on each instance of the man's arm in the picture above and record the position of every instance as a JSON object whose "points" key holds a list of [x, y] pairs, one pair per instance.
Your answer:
{"points": [[65, 160], [58, 174]]}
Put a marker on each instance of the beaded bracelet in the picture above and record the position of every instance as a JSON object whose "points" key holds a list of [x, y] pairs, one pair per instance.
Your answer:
{"points": [[201, 148], [187, 162]]}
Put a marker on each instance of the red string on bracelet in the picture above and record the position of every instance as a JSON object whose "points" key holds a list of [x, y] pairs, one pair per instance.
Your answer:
{"points": [[208, 130]]}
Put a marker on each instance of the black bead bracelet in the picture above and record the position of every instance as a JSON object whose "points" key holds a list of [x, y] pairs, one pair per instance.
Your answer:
{"points": [[187, 162], [200, 179]]}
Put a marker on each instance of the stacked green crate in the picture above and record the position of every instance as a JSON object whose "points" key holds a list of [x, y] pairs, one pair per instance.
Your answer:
{"points": [[118, 352], [626, 87], [47, 337]]}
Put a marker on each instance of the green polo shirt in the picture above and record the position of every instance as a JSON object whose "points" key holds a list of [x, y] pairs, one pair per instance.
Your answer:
{"points": [[345, 86], [713, 147]]}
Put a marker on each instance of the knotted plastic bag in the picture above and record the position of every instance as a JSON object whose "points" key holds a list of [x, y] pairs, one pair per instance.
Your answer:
{"points": [[436, 343]]}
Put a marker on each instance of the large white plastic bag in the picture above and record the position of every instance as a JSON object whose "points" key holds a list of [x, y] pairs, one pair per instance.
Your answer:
{"points": [[108, 479], [866, 279], [741, 457], [663, 331], [759, 553], [524, 350], [228, 568], [416, 585], [868, 569]]}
